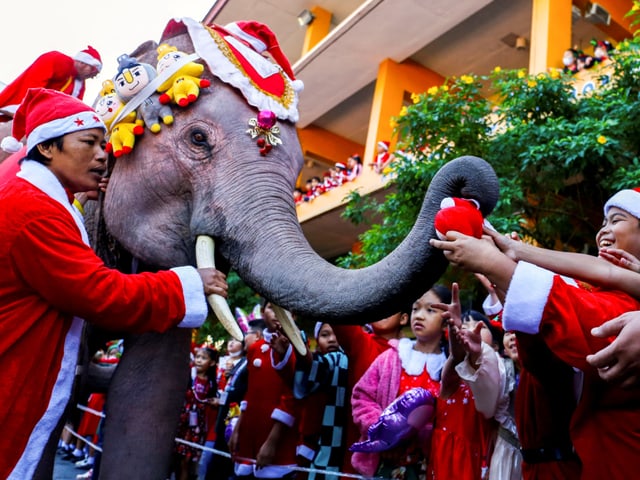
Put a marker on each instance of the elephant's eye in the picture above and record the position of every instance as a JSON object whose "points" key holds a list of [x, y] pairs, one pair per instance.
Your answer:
{"points": [[199, 138]]}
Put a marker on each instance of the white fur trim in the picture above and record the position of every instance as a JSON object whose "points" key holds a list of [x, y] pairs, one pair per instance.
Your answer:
{"points": [[316, 329], [305, 452], [61, 126], [283, 362], [526, 298], [255, 42], [11, 144], [225, 70], [283, 417], [243, 405], [84, 57], [627, 200], [243, 469], [60, 395], [43, 178], [415, 362], [195, 304], [489, 308], [264, 69]]}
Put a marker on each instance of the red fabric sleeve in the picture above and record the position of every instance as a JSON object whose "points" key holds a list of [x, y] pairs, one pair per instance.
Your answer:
{"points": [[50, 70], [50, 257], [570, 314]]}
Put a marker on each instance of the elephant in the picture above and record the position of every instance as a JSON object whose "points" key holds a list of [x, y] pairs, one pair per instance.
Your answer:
{"points": [[206, 175]]}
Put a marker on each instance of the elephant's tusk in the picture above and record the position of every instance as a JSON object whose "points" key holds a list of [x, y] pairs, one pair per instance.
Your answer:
{"points": [[290, 329], [205, 259]]}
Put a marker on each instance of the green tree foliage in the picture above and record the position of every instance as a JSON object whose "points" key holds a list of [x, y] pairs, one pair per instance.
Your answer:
{"points": [[558, 155]]}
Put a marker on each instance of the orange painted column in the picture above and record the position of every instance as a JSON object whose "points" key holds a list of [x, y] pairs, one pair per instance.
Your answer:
{"points": [[550, 34], [317, 30], [395, 82]]}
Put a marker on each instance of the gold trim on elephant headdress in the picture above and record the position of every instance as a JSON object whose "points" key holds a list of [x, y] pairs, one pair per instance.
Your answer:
{"points": [[234, 60]]}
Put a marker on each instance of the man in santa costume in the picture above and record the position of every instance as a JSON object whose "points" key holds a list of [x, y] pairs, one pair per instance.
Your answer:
{"points": [[605, 427], [53, 70], [52, 281]]}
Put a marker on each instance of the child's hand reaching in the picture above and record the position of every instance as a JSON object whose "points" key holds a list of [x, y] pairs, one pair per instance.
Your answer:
{"points": [[280, 343], [620, 258], [471, 341], [452, 315]]}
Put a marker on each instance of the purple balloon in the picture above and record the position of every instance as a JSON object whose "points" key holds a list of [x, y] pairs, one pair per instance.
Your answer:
{"points": [[407, 414]]}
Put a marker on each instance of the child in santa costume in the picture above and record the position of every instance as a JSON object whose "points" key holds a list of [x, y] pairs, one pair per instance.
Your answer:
{"points": [[383, 157], [52, 281], [267, 429], [562, 312], [53, 70]]}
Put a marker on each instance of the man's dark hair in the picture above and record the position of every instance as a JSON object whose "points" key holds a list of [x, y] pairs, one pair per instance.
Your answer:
{"points": [[34, 153]]}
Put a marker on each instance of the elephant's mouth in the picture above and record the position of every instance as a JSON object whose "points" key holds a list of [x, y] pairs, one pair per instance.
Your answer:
{"points": [[205, 254]]}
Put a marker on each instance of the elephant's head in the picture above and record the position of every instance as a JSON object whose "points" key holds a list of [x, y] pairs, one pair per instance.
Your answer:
{"points": [[205, 175]]}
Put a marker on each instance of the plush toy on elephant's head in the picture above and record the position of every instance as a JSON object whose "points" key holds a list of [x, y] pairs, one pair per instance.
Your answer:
{"points": [[183, 87], [122, 135], [132, 77], [459, 214]]}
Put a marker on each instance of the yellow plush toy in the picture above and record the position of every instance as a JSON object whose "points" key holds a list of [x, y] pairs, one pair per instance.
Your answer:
{"points": [[183, 87], [122, 136]]}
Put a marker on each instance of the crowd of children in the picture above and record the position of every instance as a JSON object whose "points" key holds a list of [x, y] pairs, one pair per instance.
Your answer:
{"points": [[514, 404], [341, 173], [433, 391], [335, 176], [575, 60]]}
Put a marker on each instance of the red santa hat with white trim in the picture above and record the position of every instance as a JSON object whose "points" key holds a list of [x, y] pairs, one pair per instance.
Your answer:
{"points": [[261, 39], [45, 114], [90, 56], [627, 200], [384, 144]]}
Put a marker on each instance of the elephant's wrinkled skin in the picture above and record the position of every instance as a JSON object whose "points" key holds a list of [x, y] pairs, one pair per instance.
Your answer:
{"points": [[205, 175]]}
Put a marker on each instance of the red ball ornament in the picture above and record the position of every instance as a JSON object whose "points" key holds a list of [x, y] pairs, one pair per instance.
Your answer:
{"points": [[266, 119], [260, 142]]}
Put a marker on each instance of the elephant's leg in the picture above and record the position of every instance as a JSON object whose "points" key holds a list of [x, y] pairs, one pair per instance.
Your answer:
{"points": [[143, 404]]}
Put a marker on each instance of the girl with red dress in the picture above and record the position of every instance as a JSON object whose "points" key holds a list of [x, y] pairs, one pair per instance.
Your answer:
{"points": [[408, 364], [462, 434]]}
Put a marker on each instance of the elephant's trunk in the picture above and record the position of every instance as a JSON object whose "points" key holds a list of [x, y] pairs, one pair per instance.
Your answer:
{"points": [[278, 262]]}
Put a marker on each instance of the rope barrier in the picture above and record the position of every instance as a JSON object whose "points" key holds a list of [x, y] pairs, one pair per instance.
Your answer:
{"points": [[80, 437], [252, 461]]}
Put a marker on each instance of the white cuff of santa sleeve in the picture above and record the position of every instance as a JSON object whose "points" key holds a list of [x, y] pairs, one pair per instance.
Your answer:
{"points": [[491, 309], [280, 365], [243, 405], [305, 452], [195, 303], [283, 417], [527, 297]]}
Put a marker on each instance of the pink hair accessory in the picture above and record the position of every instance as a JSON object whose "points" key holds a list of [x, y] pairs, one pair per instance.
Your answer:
{"points": [[265, 129]]}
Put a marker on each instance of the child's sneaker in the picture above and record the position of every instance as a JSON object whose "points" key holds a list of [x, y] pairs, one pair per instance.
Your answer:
{"points": [[88, 475]]}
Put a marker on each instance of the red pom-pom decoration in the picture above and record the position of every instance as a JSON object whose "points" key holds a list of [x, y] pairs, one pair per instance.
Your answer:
{"points": [[460, 215]]}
